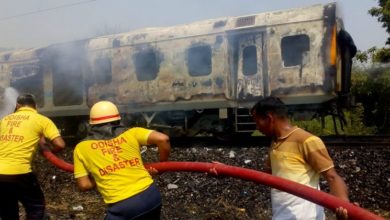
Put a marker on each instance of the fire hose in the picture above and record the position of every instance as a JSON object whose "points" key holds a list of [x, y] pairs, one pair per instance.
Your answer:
{"points": [[316, 196]]}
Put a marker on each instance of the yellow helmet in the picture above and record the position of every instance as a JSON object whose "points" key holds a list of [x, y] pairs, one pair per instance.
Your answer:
{"points": [[103, 112]]}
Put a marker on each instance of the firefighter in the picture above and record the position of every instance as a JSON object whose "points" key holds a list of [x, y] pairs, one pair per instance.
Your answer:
{"points": [[110, 159], [20, 133]]}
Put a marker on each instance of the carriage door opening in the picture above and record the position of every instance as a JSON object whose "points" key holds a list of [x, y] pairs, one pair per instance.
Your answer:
{"points": [[249, 79], [250, 74]]}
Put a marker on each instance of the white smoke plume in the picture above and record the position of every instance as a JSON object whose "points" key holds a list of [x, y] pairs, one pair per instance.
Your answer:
{"points": [[7, 106]]}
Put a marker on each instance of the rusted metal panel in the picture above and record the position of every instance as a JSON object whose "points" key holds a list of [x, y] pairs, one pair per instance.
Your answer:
{"points": [[306, 78], [173, 82]]}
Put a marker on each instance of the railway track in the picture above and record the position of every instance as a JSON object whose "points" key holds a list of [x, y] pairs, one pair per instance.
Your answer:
{"points": [[252, 141], [357, 140], [255, 141]]}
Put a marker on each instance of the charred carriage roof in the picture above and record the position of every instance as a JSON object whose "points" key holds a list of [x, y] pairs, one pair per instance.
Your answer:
{"points": [[211, 26]]}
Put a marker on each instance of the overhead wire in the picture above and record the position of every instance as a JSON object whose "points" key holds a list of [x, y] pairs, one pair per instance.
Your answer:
{"points": [[45, 10]]}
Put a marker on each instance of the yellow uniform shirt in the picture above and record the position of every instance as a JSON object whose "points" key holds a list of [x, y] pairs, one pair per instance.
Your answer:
{"points": [[115, 164], [19, 136]]}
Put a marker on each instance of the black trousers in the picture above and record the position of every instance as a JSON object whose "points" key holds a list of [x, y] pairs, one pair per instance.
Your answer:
{"points": [[22, 188]]}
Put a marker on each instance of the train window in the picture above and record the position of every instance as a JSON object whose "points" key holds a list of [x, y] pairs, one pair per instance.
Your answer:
{"points": [[294, 49], [146, 66], [103, 72], [28, 78], [68, 85], [249, 61], [199, 60]]}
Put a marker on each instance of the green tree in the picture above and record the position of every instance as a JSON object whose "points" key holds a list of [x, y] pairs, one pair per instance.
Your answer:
{"points": [[378, 55], [372, 89], [374, 55], [383, 15]]}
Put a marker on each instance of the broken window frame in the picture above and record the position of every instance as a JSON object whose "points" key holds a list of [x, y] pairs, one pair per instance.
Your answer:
{"points": [[146, 64], [103, 70], [28, 78], [68, 82], [199, 60], [249, 65], [293, 49]]}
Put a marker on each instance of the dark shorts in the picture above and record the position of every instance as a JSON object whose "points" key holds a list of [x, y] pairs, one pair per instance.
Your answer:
{"points": [[145, 205], [25, 189]]}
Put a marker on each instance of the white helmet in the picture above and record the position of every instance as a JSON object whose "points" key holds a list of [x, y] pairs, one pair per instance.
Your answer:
{"points": [[103, 112]]}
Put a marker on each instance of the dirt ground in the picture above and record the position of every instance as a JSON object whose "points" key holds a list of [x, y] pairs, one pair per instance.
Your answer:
{"points": [[188, 195]]}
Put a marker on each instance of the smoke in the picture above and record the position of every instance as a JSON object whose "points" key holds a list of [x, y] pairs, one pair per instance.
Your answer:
{"points": [[7, 106], [340, 10]]}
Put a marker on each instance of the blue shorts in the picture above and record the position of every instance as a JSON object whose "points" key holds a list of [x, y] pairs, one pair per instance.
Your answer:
{"points": [[145, 205]]}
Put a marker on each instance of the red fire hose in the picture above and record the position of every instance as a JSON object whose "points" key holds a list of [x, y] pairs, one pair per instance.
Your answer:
{"points": [[321, 198]]}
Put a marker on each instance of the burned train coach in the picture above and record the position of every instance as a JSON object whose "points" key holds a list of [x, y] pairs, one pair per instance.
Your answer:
{"points": [[199, 77]]}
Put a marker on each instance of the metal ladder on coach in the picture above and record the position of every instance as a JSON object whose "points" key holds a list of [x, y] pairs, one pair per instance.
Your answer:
{"points": [[243, 121]]}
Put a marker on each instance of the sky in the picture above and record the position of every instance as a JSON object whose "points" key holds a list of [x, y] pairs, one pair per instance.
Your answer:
{"points": [[36, 23]]}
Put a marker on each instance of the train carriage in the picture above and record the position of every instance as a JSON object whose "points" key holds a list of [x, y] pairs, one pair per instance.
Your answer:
{"points": [[193, 78]]}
